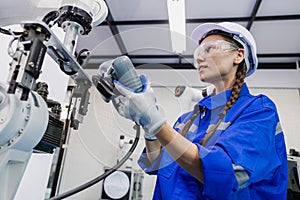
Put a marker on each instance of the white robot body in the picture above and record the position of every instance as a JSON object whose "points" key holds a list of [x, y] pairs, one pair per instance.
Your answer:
{"points": [[21, 121], [22, 126]]}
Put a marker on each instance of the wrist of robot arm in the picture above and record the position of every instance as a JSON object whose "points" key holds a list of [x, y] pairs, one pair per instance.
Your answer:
{"points": [[140, 107]]}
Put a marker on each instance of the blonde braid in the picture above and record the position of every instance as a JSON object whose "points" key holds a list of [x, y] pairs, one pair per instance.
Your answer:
{"points": [[236, 89], [237, 86]]}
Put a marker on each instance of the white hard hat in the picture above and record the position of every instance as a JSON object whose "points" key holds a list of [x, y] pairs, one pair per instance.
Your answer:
{"points": [[236, 32]]}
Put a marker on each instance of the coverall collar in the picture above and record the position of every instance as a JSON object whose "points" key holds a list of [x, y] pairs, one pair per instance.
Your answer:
{"points": [[213, 101]]}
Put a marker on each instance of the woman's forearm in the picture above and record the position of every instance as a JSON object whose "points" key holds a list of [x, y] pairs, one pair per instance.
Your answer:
{"points": [[183, 151], [153, 149]]}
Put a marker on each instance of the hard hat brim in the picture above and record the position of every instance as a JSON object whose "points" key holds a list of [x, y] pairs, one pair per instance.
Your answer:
{"points": [[201, 30]]}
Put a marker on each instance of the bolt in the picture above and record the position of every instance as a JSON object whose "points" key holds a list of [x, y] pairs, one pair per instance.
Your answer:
{"points": [[28, 106], [20, 131], [1, 120], [38, 29], [27, 118], [31, 64], [10, 142]]}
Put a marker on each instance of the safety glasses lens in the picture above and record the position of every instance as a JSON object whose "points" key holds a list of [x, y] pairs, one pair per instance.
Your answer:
{"points": [[209, 48]]}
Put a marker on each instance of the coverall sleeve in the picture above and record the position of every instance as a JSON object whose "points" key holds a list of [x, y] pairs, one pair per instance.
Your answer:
{"points": [[248, 145], [144, 162]]}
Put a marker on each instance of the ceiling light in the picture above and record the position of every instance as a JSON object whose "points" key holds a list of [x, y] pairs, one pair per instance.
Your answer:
{"points": [[176, 11]]}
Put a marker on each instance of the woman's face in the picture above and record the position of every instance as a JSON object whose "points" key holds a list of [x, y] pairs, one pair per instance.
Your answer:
{"points": [[216, 60]]}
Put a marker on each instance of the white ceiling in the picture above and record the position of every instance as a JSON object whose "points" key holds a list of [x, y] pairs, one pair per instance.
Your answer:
{"points": [[143, 27]]}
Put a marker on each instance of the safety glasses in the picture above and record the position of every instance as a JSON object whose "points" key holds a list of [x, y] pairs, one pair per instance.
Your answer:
{"points": [[213, 47]]}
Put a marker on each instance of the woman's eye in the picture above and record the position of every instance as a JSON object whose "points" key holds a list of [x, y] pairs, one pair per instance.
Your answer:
{"points": [[209, 48]]}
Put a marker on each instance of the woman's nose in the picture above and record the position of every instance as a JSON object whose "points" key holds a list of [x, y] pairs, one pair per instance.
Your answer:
{"points": [[200, 58]]}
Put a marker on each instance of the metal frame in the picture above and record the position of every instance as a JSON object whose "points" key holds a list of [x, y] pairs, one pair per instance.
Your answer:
{"points": [[179, 66], [204, 20]]}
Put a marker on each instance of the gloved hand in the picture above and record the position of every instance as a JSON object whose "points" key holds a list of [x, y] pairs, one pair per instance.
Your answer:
{"points": [[140, 107]]}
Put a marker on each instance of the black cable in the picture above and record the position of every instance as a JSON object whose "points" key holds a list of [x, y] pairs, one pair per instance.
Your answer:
{"points": [[50, 17], [81, 52], [61, 60], [104, 175], [7, 32], [83, 59], [62, 68]]}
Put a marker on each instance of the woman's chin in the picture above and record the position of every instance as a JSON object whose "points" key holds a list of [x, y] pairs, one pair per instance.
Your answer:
{"points": [[204, 78]]}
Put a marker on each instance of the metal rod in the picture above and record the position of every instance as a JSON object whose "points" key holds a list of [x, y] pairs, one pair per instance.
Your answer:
{"points": [[161, 56], [115, 31], [253, 14]]}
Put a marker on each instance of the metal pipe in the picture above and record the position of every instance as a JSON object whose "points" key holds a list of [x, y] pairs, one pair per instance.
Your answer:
{"points": [[72, 30]]}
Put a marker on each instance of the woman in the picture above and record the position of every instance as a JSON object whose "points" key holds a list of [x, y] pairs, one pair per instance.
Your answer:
{"points": [[231, 145]]}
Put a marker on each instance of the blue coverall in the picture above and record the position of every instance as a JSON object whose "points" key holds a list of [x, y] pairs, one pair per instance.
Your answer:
{"points": [[245, 159]]}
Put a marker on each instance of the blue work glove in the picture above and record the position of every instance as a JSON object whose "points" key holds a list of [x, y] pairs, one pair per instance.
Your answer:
{"points": [[140, 107]]}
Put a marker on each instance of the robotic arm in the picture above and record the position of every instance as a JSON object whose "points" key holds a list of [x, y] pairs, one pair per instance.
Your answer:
{"points": [[23, 113]]}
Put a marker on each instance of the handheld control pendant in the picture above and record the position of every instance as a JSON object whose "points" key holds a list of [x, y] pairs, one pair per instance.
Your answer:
{"points": [[120, 69]]}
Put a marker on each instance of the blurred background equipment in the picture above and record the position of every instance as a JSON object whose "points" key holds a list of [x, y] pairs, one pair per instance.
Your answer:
{"points": [[194, 94], [294, 175], [123, 185]]}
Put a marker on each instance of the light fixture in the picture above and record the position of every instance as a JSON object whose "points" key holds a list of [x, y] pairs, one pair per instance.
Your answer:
{"points": [[176, 12]]}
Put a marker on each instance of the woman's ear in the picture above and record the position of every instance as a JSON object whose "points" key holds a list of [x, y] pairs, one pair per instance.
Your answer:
{"points": [[239, 56]]}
